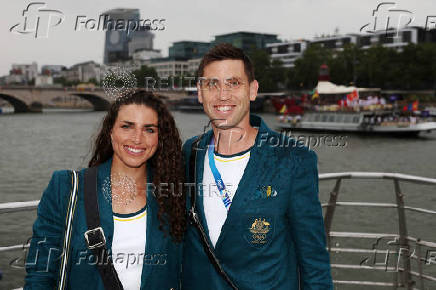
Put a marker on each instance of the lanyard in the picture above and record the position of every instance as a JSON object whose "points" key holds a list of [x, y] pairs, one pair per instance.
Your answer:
{"points": [[218, 180]]}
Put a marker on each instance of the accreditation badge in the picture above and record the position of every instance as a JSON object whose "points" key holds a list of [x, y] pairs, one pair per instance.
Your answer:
{"points": [[259, 230]]}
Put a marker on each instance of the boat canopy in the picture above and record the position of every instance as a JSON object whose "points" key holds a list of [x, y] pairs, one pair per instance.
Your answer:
{"points": [[328, 88]]}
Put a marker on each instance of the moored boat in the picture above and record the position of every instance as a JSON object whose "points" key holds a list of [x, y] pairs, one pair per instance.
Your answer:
{"points": [[384, 122]]}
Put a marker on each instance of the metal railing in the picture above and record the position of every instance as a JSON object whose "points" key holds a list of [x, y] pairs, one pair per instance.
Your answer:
{"points": [[403, 276], [9, 207]]}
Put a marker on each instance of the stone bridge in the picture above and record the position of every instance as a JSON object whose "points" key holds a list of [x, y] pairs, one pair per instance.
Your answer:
{"points": [[32, 99]]}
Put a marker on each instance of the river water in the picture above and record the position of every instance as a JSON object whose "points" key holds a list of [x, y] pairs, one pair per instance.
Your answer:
{"points": [[34, 145]]}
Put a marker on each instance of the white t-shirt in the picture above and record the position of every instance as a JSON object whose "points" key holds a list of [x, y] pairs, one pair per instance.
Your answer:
{"points": [[231, 170], [128, 247]]}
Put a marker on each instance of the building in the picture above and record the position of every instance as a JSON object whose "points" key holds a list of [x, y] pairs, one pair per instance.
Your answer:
{"points": [[397, 38], [43, 81], [140, 40], [167, 67], [193, 65], [247, 40], [336, 41], [53, 70], [23, 73], [188, 49], [121, 44], [14, 79], [287, 52], [146, 54], [84, 72], [290, 51]]}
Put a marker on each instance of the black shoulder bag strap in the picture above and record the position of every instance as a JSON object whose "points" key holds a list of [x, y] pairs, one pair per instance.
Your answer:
{"points": [[196, 221], [94, 236]]}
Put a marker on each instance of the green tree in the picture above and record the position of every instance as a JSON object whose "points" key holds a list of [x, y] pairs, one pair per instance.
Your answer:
{"points": [[377, 67], [306, 69], [270, 74], [278, 74], [94, 81], [143, 73], [343, 65]]}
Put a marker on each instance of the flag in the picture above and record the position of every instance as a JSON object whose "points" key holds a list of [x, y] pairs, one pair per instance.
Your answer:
{"points": [[315, 94], [356, 94], [353, 96], [415, 106], [343, 102], [283, 109]]}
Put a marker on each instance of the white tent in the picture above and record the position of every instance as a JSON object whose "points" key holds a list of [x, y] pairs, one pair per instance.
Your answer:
{"points": [[326, 88]]}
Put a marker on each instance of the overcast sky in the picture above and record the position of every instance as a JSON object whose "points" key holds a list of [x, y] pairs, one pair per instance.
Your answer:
{"points": [[196, 20]]}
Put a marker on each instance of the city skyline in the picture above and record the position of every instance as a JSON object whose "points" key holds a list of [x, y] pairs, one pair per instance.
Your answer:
{"points": [[289, 20]]}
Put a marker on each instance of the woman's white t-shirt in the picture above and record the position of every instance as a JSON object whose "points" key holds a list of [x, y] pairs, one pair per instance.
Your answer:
{"points": [[128, 247]]}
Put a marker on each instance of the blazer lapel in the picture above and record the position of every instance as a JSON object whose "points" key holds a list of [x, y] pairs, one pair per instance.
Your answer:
{"points": [[105, 201], [199, 165], [152, 225]]}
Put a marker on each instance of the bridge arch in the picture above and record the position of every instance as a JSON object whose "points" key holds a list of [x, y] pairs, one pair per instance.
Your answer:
{"points": [[98, 102], [19, 106]]}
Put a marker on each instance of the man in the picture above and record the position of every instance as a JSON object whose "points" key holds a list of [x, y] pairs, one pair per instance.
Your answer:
{"points": [[257, 199]]}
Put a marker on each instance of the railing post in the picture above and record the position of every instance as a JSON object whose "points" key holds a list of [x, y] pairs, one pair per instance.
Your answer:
{"points": [[331, 210], [419, 258], [403, 242]]}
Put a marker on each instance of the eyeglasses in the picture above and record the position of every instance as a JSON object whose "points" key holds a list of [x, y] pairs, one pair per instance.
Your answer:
{"points": [[213, 84]]}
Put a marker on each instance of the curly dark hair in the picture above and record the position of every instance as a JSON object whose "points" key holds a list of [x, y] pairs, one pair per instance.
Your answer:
{"points": [[166, 163]]}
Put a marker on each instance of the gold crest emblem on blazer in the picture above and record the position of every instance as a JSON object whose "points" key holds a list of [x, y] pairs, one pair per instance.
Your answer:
{"points": [[259, 229]]}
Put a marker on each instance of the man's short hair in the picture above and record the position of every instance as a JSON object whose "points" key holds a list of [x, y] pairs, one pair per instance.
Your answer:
{"points": [[225, 51]]}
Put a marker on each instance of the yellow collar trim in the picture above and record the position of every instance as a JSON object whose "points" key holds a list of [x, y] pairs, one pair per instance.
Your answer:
{"points": [[132, 218], [246, 155]]}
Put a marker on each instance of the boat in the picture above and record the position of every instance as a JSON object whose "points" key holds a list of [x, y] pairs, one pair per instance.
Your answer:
{"points": [[191, 104], [338, 108], [397, 259], [377, 122]]}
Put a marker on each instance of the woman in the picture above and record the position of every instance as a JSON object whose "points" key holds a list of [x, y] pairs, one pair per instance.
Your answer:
{"points": [[140, 206]]}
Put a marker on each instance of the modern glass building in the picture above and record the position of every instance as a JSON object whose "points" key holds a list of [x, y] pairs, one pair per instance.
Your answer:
{"points": [[120, 44], [247, 40], [188, 49]]}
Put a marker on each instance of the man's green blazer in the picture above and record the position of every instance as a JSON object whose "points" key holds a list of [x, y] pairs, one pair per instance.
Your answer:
{"points": [[273, 237]]}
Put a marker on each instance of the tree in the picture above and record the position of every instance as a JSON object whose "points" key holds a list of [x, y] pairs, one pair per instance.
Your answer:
{"points": [[306, 69], [143, 73], [269, 74], [94, 81], [343, 65]]}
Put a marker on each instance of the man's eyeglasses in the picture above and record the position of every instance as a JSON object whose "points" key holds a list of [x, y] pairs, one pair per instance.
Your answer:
{"points": [[213, 84]]}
